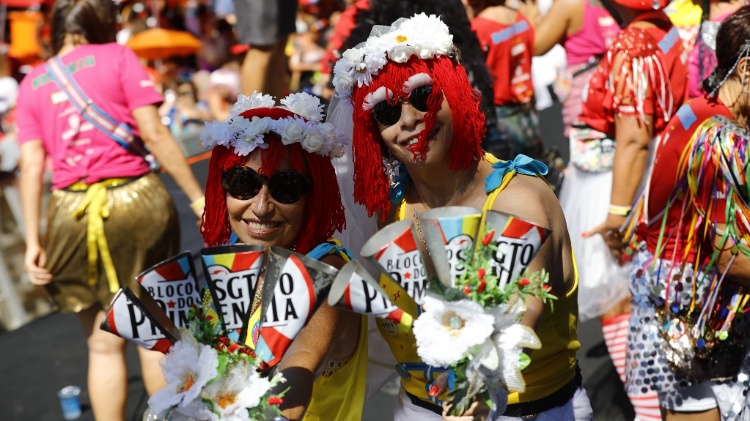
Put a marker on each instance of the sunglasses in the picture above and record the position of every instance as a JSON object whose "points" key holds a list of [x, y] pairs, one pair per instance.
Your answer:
{"points": [[285, 187], [388, 113]]}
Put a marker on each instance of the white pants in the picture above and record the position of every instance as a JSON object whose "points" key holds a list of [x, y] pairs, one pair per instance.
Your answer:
{"points": [[578, 408]]}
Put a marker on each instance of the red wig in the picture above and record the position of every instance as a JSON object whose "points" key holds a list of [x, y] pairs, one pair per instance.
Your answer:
{"points": [[324, 213], [371, 184]]}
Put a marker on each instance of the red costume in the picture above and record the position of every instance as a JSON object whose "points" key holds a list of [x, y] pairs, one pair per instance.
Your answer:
{"points": [[649, 65], [509, 49], [676, 137]]}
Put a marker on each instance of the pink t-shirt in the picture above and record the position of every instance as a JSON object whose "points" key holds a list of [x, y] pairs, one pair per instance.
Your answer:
{"points": [[114, 79], [594, 37]]}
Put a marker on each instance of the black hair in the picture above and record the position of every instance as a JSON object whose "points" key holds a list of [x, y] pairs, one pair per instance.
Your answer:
{"points": [[95, 20], [733, 34]]}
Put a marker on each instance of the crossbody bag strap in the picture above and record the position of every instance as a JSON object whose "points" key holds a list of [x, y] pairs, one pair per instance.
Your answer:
{"points": [[119, 132]]}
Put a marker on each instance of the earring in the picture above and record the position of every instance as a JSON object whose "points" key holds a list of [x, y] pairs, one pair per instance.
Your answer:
{"points": [[394, 170]]}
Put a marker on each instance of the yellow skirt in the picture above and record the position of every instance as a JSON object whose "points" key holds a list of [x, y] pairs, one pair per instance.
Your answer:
{"points": [[141, 229]]}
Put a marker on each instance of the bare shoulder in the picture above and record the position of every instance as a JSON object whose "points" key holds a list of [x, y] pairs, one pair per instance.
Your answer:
{"points": [[530, 198]]}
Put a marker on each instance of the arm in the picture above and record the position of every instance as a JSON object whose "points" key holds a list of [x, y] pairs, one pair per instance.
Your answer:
{"points": [[738, 269], [323, 337], [160, 142], [630, 164], [531, 198], [632, 138], [631, 155], [32, 169], [304, 358], [562, 18]]}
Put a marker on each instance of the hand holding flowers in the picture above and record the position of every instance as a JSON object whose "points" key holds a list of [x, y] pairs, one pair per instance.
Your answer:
{"points": [[475, 329]]}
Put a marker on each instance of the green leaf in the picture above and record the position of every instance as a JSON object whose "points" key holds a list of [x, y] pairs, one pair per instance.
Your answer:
{"points": [[223, 362], [525, 360]]}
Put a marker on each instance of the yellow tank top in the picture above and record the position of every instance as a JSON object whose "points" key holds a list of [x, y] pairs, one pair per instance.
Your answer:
{"points": [[341, 395], [551, 367]]}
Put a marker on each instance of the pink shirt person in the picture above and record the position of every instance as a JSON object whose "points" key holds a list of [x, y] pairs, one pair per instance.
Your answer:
{"points": [[113, 78], [596, 34]]}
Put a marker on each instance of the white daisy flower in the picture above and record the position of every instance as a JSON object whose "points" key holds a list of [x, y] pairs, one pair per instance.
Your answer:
{"points": [[195, 410], [292, 130], [216, 133], [245, 135], [305, 105], [255, 100], [246, 147], [353, 56], [187, 368], [238, 124], [237, 390], [446, 331], [313, 141], [401, 53], [257, 127]]}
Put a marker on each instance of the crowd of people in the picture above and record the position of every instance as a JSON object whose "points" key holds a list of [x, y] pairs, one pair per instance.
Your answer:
{"points": [[649, 231]]}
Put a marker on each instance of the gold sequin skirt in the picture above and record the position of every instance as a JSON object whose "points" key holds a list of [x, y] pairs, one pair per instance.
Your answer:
{"points": [[141, 229]]}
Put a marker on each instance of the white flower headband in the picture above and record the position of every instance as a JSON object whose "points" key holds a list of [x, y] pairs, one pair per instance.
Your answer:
{"points": [[306, 128], [421, 35]]}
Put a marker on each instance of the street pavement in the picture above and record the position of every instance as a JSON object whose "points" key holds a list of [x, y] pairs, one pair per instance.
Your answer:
{"points": [[49, 353]]}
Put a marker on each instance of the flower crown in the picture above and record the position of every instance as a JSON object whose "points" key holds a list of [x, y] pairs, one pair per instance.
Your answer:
{"points": [[421, 35], [298, 120]]}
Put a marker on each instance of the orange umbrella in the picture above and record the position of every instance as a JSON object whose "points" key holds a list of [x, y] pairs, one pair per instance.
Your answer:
{"points": [[162, 43], [24, 43]]}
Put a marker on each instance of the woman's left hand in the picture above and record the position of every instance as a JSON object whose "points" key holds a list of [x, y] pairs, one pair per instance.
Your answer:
{"points": [[610, 231]]}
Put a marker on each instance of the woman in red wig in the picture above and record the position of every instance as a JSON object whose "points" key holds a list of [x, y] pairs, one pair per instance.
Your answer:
{"points": [[417, 130], [271, 183]]}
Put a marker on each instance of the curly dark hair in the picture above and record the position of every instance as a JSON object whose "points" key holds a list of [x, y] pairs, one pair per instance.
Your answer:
{"points": [[733, 33], [453, 14]]}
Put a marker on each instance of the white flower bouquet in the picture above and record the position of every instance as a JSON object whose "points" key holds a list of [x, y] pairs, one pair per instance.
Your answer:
{"points": [[472, 315], [210, 377], [221, 342], [464, 307], [474, 325]]}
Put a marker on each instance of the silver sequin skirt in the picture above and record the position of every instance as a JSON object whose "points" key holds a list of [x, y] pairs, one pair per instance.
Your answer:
{"points": [[647, 366]]}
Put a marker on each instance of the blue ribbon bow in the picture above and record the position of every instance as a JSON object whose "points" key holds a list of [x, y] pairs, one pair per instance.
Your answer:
{"points": [[521, 164], [327, 248]]}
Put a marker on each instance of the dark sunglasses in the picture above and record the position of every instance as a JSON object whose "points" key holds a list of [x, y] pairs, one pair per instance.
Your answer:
{"points": [[388, 112], [244, 183]]}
